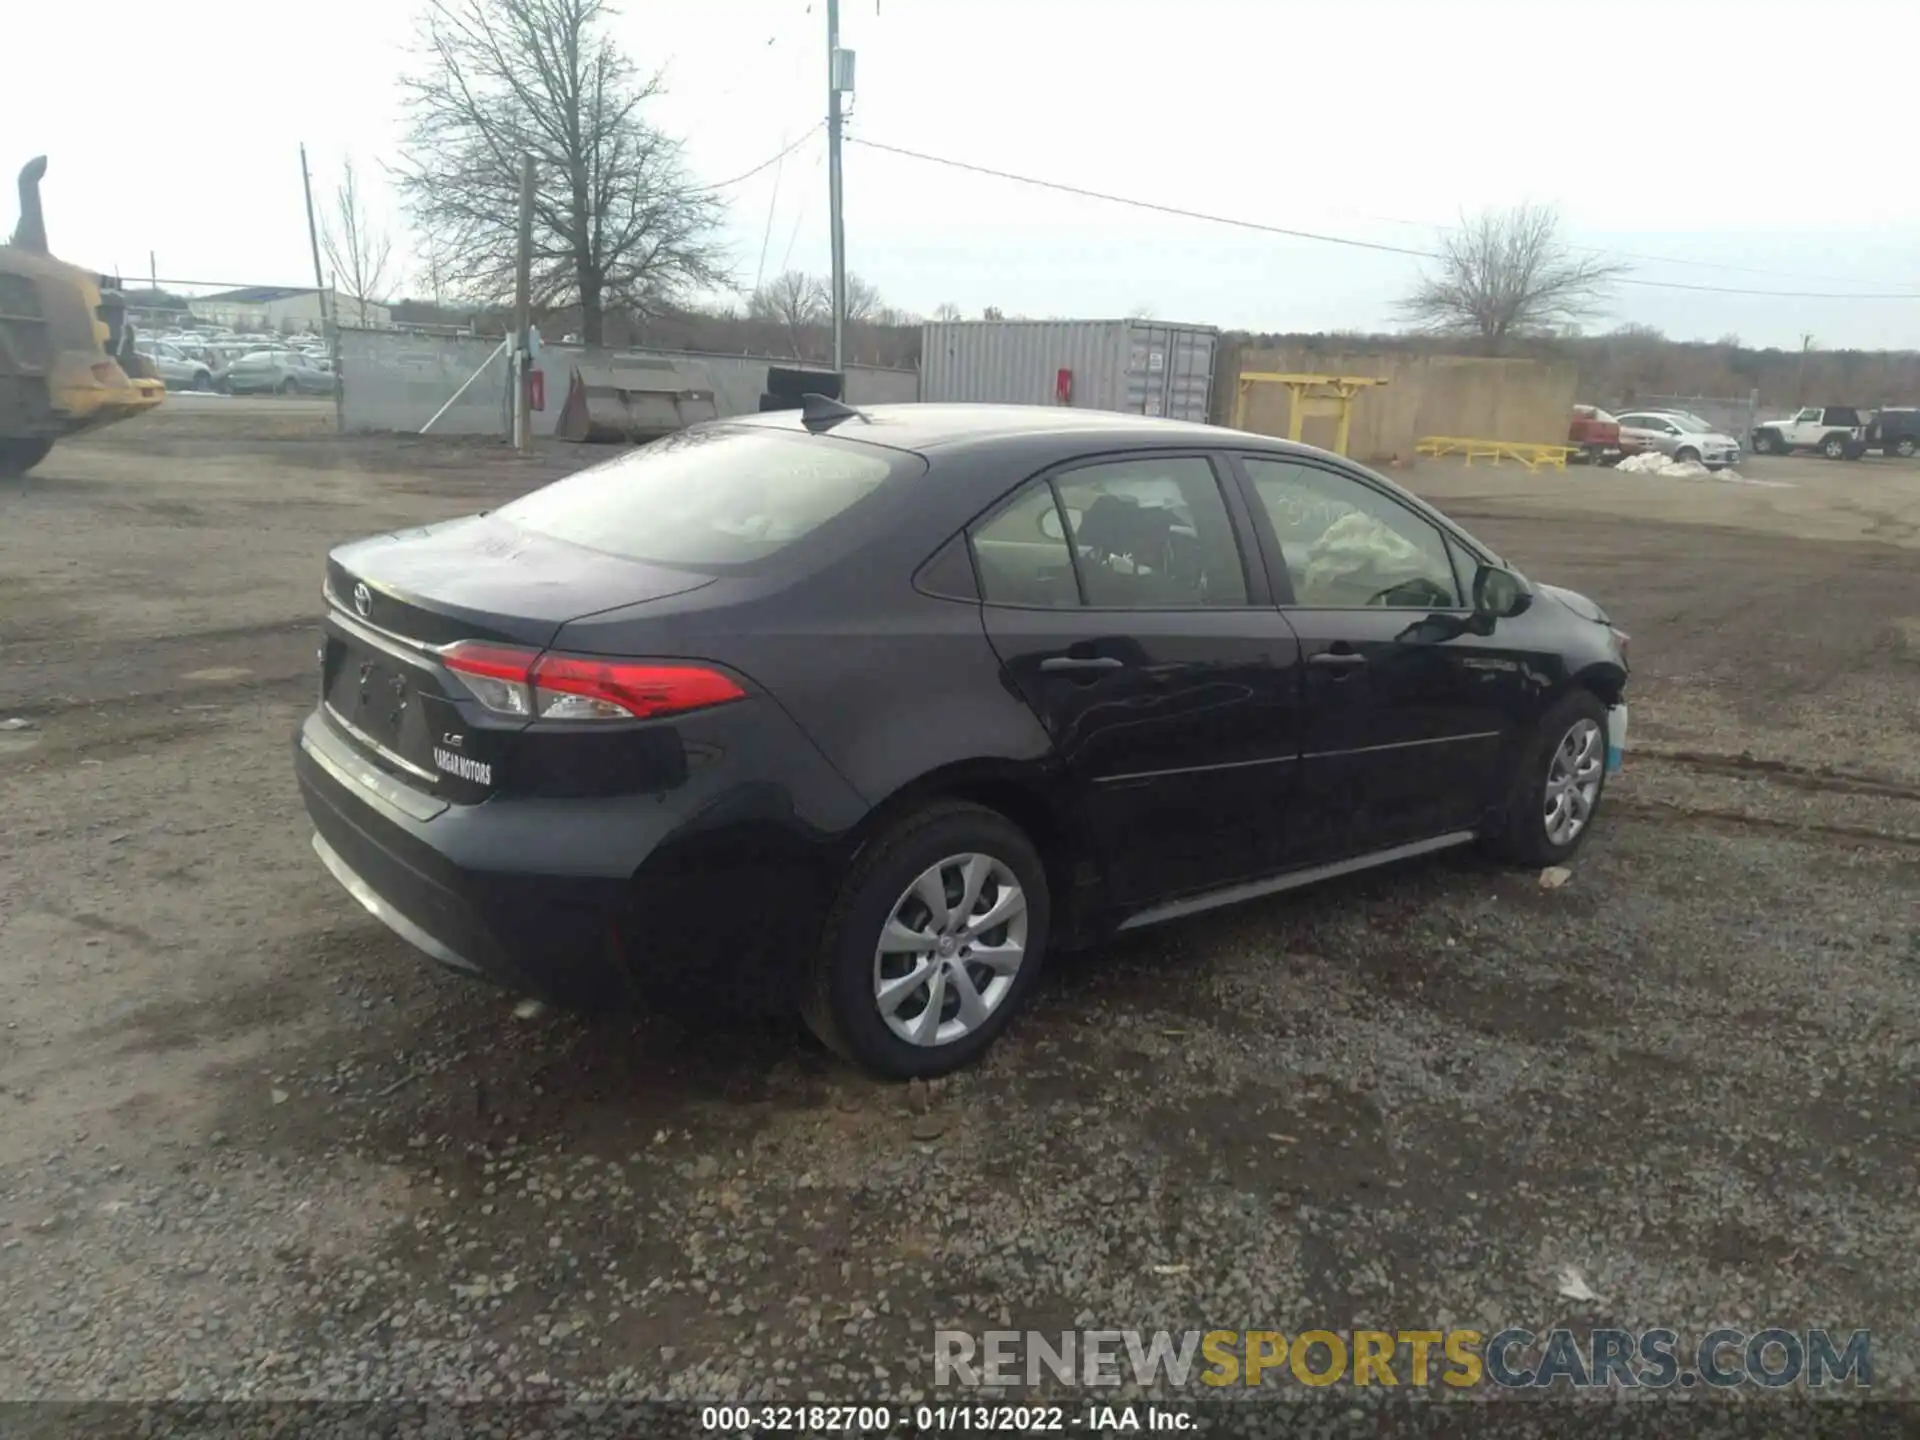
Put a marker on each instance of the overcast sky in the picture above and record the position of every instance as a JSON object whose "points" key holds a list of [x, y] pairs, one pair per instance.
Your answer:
{"points": [[1698, 135]]}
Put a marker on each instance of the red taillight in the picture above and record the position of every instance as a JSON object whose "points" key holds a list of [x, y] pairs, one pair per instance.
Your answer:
{"points": [[509, 681], [640, 690]]}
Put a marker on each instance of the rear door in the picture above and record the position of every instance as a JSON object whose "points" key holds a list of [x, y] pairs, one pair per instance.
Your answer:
{"points": [[1129, 609], [1407, 709]]}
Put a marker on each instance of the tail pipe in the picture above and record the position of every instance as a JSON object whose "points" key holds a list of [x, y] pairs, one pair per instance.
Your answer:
{"points": [[31, 233]]}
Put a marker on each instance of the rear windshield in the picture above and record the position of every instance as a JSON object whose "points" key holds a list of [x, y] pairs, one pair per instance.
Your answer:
{"points": [[706, 498]]}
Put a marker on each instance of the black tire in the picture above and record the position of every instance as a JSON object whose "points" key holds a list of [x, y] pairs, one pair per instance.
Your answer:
{"points": [[1834, 447], [285, 387], [17, 457], [1686, 453], [202, 381], [1768, 443], [1522, 836], [1905, 447], [839, 1005]]}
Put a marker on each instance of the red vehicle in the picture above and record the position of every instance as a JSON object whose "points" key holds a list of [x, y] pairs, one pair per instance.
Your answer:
{"points": [[1596, 434]]}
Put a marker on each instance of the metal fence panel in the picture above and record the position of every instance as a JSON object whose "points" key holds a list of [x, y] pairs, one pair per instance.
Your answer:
{"points": [[394, 381], [390, 380]]}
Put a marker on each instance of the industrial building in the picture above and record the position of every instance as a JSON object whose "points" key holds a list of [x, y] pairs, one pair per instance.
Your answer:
{"points": [[284, 308]]}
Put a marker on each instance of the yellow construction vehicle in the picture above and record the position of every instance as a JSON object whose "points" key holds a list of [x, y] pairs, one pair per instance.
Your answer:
{"points": [[67, 361]]}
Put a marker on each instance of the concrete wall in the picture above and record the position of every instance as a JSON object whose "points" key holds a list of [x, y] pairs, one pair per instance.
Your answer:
{"points": [[1519, 400], [395, 382]]}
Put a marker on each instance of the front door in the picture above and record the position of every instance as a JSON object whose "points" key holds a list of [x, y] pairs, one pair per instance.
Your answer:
{"points": [[1408, 710], [1119, 602]]}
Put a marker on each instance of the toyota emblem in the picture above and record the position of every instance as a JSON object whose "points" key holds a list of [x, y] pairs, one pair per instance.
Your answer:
{"points": [[363, 600]]}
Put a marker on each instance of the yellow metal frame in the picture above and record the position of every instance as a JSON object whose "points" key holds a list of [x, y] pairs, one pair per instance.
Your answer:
{"points": [[1318, 396], [1525, 453]]}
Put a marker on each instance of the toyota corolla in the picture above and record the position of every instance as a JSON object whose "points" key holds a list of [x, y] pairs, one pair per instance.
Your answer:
{"points": [[862, 714]]}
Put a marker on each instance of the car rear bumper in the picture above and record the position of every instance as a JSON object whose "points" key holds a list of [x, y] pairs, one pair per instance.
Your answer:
{"points": [[593, 903], [460, 893]]}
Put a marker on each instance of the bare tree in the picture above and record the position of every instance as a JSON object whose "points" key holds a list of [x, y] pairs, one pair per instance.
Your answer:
{"points": [[617, 222], [1505, 274], [863, 299], [795, 300], [359, 250], [946, 310]]}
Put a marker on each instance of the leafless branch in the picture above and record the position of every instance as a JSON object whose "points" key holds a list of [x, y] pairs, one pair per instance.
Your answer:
{"points": [[359, 250], [618, 223], [1508, 273], [796, 301]]}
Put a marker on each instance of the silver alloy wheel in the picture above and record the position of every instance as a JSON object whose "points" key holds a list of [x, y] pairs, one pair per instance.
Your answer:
{"points": [[950, 950], [1573, 781]]}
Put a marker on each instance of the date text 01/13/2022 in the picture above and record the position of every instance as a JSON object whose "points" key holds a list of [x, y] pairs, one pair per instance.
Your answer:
{"points": [[943, 1419]]}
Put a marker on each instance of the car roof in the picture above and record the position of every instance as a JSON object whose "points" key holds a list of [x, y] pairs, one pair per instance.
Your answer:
{"points": [[941, 426]]}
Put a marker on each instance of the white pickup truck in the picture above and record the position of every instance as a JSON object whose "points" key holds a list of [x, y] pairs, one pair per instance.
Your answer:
{"points": [[1838, 432]]}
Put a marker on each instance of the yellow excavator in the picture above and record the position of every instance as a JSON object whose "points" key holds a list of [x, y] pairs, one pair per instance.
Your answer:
{"points": [[67, 362]]}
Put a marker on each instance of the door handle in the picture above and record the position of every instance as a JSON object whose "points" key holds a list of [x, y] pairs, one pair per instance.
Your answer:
{"points": [[1337, 659], [1055, 664]]}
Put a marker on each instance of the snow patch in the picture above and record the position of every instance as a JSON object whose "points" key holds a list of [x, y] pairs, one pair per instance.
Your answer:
{"points": [[1652, 462]]}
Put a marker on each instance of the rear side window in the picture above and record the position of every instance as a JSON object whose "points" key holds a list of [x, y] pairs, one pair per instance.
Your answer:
{"points": [[704, 498], [1023, 556]]}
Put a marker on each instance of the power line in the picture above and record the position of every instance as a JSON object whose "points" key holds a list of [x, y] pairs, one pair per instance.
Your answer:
{"points": [[1345, 240], [1142, 204], [771, 160], [1618, 254]]}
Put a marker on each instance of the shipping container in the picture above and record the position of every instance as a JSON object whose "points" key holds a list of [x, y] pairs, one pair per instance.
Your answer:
{"points": [[1138, 366]]}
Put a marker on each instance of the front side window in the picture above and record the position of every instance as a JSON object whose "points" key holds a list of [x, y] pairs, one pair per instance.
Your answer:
{"points": [[1152, 534], [705, 498], [1347, 545]]}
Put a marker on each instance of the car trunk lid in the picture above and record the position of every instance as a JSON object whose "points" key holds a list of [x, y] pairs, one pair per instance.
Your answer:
{"points": [[395, 602]]}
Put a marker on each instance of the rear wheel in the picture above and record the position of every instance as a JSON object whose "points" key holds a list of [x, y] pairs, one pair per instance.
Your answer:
{"points": [[17, 457], [1556, 790], [1905, 447], [285, 387], [1834, 447], [202, 381], [935, 941]]}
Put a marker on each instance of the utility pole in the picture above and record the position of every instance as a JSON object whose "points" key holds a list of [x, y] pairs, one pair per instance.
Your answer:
{"points": [[313, 239], [523, 315], [329, 320], [839, 78]]}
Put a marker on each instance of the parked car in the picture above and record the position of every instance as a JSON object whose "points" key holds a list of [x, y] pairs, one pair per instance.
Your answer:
{"points": [[1838, 432], [1683, 436], [1595, 434], [865, 713], [1896, 431], [179, 370], [281, 372]]}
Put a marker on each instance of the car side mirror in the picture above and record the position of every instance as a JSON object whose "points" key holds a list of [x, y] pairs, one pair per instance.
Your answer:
{"points": [[1499, 594]]}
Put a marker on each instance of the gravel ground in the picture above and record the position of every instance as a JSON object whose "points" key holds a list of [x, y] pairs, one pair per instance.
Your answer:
{"points": [[251, 1146]]}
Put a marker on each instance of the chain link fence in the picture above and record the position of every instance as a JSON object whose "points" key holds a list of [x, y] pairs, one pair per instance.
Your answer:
{"points": [[1730, 417]]}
